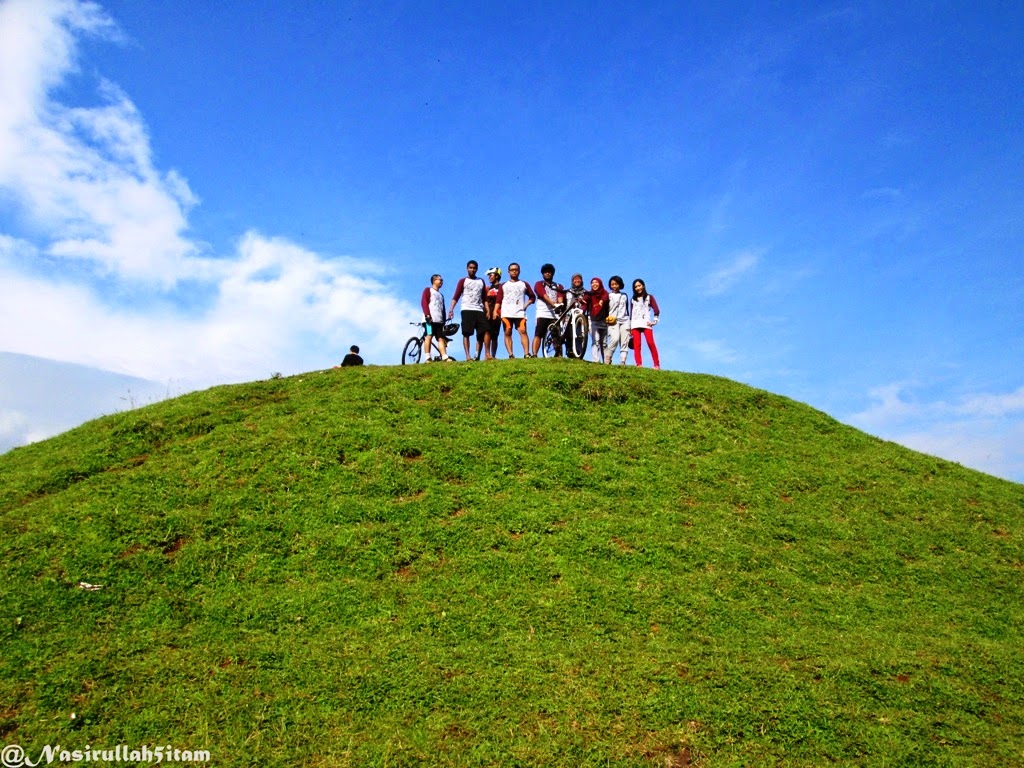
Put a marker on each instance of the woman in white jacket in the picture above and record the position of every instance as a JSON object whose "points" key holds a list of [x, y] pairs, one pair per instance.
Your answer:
{"points": [[642, 320], [618, 329]]}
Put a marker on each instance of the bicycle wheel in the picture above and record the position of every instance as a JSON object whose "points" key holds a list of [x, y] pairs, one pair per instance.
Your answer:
{"points": [[549, 347], [412, 351], [580, 335]]}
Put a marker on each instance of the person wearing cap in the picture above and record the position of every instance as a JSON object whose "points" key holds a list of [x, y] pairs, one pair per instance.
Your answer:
{"points": [[549, 296], [492, 310]]}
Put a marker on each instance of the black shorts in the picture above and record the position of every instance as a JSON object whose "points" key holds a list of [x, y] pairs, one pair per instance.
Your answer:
{"points": [[474, 321], [543, 323]]}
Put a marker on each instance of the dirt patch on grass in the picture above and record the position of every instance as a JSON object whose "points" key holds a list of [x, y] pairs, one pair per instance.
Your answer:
{"points": [[671, 757], [132, 550], [460, 512], [174, 547], [8, 721], [622, 545]]}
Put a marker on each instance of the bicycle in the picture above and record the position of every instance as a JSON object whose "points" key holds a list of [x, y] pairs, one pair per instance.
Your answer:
{"points": [[570, 330], [414, 346]]}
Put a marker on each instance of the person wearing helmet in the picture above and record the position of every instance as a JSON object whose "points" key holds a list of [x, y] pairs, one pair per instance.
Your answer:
{"points": [[549, 295], [492, 310]]}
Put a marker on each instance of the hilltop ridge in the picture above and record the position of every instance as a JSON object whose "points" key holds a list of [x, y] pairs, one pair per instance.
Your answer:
{"points": [[534, 562]]}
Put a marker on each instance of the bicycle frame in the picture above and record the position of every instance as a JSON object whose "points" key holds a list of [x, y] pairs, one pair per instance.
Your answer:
{"points": [[570, 330], [413, 349]]}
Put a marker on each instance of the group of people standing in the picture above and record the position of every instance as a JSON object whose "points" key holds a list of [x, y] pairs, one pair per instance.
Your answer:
{"points": [[492, 309]]}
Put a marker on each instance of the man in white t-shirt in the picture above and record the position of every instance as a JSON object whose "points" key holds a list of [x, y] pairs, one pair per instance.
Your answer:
{"points": [[514, 297], [471, 289], [432, 304], [549, 296]]}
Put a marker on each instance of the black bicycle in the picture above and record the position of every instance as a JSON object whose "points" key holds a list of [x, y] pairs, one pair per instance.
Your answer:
{"points": [[570, 331], [413, 349]]}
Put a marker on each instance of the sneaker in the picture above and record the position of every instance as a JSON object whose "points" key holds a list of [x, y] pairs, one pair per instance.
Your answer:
{"points": [[657, 367]]}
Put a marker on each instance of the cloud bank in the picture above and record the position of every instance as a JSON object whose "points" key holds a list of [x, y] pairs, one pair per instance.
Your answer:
{"points": [[97, 266], [981, 430]]}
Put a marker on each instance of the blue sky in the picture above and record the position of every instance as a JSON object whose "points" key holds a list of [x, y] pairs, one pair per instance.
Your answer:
{"points": [[827, 199]]}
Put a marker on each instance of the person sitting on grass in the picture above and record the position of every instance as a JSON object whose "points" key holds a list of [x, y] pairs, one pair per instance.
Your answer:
{"points": [[352, 358]]}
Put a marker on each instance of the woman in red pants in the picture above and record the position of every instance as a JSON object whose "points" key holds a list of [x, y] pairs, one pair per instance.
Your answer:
{"points": [[642, 320]]}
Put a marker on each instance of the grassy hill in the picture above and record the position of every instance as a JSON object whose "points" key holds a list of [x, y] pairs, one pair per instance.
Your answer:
{"points": [[531, 562]]}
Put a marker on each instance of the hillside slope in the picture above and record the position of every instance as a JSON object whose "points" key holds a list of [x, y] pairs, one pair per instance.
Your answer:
{"points": [[528, 562]]}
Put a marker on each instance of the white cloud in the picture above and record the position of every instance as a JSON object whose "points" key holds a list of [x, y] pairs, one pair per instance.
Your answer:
{"points": [[993, 405], [84, 175], [991, 447], [42, 398], [14, 429], [38, 52], [888, 409], [723, 279], [983, 430], [277, 307], [94, 280]]}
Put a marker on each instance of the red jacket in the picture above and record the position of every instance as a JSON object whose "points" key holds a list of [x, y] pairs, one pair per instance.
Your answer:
{"points": [[596, 302]]}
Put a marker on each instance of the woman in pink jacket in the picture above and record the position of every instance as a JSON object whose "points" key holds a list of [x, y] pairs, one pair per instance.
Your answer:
{"points": [[642, 320]]}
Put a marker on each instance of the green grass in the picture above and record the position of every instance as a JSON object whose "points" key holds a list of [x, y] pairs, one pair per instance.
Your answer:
{"points": [[532, 562]]}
